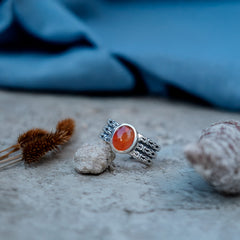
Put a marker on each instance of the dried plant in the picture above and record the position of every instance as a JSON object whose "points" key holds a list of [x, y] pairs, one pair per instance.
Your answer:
{"points": [[23, 139], [36, 143]]}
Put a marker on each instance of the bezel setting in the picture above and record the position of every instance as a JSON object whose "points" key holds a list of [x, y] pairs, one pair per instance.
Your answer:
{"points": [[134, 141], [143, 149]]}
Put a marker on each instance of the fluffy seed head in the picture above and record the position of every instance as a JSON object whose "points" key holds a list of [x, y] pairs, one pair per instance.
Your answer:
{"points": [[45, 142], [31, 135]]}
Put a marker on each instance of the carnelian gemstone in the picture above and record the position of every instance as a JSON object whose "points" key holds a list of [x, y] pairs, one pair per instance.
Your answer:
{"points": [[123, 138]]}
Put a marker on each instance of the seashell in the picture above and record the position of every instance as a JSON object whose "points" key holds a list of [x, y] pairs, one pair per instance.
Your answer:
{"points": [[216, 156], [93, 158]]}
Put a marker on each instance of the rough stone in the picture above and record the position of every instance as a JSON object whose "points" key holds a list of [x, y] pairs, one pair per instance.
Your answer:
{"points": [[93, 158]]}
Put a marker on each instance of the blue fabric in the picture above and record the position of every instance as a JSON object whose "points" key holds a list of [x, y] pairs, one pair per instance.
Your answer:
{"points": [[123, 46]]}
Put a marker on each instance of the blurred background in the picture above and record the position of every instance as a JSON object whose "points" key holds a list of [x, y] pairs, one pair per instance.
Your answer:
{"points": [[175, 49]]}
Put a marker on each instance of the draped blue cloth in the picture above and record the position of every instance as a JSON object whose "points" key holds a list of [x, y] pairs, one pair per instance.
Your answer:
{"points": [[129, 46]]}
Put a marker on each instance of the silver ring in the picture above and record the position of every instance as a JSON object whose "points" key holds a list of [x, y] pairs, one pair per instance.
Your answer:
{"points": [[124, 138]]}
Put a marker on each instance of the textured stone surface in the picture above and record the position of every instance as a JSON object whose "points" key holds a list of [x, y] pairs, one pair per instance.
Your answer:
{"points": [[166, 201], [94, 157]]}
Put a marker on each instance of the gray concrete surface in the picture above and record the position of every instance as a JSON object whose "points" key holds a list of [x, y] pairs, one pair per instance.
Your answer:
{"points": [[166, 201]]}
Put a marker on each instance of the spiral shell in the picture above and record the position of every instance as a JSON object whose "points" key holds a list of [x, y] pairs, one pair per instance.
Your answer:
{"points": [[216, 156]]}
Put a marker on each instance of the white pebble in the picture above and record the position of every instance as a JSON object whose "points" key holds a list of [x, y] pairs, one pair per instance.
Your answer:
{"points": [[93, 158]]}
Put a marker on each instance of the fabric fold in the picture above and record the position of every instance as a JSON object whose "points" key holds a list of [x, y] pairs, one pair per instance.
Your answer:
{"points": [[49, 48], [143, 46]]}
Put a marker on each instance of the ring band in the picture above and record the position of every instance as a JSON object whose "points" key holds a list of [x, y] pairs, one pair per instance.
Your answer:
{"points": [[124, 138]]}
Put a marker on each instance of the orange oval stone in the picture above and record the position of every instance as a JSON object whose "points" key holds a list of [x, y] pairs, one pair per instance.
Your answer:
{"points": [[123, 138]]}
